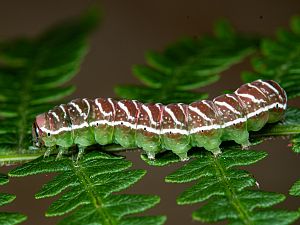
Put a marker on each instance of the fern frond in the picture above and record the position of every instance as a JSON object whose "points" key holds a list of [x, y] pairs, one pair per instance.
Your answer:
{"points": [[295, 141], [280, 60], [9, 218], [295, 189], [186, 65], [32, 75], [87, 187], [226, 189]]}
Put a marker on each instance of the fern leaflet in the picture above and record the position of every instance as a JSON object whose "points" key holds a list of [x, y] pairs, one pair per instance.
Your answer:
{"points": [[295, 189], [8, 218]]}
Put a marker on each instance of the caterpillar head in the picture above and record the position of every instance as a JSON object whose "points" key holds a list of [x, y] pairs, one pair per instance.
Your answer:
{"points": [[37, 132]]}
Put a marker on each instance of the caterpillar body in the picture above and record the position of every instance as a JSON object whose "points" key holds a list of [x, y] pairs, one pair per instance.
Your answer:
{"points": [[155, 127]]}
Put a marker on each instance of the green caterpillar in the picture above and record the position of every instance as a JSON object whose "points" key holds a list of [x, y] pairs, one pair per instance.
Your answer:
{"points": [[155, 127]]}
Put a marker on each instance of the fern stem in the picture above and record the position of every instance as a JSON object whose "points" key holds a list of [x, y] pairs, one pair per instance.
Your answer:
{"points": [[230, 192], [22, 112], [25, 99], [17, 158], [277, 131], [96, 200]]}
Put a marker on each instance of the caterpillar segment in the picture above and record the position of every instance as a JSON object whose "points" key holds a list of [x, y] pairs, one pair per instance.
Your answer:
{"points": [[155, 127]]}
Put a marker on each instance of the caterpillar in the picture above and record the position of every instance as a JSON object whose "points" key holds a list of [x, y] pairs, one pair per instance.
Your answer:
{"points": [[155, 127]]}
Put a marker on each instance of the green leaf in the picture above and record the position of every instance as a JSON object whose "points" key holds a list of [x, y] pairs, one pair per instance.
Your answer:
{"points": [[3, 179], [221, 208], [225, 189], [33, 73], [170, 76], [280, 60], [295, 140], [8, 218], [279, 217], [87, 186], [295, 189]]}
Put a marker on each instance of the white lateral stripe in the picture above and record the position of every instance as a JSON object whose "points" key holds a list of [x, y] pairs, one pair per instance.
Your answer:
{"points": [[165, 131], [174, 131], [198, 112], [169, 111], [236, 121], [149, 129], [250, 97], [204, 128], [257, 112], [225, 104]]}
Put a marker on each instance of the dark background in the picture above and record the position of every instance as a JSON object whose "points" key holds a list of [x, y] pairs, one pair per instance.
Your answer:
{"points": [[128, 29]]}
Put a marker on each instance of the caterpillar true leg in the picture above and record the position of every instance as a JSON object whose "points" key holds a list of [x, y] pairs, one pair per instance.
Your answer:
{"points": [[155, 127]]}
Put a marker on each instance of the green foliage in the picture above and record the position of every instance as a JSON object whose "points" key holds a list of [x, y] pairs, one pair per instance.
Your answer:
{"points": [[32, 72], [8, 218], [280, 60], [296, 143], [87, 186], [295, 189], [186, 65], [225, 189]]}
